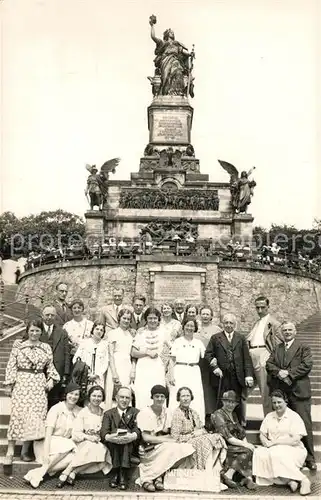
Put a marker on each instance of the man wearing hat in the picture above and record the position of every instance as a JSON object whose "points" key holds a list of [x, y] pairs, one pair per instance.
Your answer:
{"points": [[228, 356]]}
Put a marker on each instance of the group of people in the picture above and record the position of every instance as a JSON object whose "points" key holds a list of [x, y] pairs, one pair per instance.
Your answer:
{"points": [[97, 378]]}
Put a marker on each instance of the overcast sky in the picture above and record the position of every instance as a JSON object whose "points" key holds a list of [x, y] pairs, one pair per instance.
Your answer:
{"points": [[75, 90]]}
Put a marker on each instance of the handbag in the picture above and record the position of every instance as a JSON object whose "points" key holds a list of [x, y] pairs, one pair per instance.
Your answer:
{"points": [[79, 376]]}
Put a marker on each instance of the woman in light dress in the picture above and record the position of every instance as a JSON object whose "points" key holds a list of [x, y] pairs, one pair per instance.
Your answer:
{"points": [[79, 327], [121, 366], [160, 452], [206, 328], [94, 352], [30, 374], [147, 348], [191, 312], [280, 459], [172, 329], [90, 455], [55, 452], [184, 368]]}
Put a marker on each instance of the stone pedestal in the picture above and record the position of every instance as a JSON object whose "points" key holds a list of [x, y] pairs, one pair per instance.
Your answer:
{"points": [[170, 121], [242, 227], [94, 225]]}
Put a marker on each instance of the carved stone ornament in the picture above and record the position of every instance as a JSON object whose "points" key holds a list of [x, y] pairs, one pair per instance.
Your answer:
{"points": [[181, 199], [160, 231]]}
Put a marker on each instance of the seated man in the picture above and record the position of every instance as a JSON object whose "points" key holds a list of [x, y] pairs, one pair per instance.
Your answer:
{"points": [[119, 432]]}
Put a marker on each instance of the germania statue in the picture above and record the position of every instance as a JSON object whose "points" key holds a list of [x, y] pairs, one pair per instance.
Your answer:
{"points": [[173, 63]]}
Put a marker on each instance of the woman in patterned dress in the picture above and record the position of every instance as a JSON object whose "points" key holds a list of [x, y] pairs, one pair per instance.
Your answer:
{"points": [[239, 450], [186, 427], [148, 347], [206, 328], [56, 451], [121, 370], [94, 352], [184, 368], [79, 327], [90, 455], [30, 374]]}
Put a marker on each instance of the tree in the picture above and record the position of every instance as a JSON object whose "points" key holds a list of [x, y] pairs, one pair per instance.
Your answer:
{"points": [[39, 232]]}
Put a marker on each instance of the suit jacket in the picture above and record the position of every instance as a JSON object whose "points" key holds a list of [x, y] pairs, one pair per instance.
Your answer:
{"points": [[134, 325], [62, 315], [108, 316], [175, 316], [272, 333], [112, 421], [298, 361], [60, 350], [218, 347]]}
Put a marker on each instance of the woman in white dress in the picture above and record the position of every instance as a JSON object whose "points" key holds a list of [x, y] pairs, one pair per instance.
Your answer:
{"points": [[280, 459], [147, 348], [160, 452], [172, 329], [55, 452], [79, 327], [121, 367], [184, 368], [94, 352], [90, 455]]}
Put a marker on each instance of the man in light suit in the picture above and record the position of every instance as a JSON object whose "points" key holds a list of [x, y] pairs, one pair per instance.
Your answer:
{"points": [[262, 339], [122, 419], [288, 369], [57, 338], [228, 356], [63, 311], [138, 321], [179, 308], [109, 313]]}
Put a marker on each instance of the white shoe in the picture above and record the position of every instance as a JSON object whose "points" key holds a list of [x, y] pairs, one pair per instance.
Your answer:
{"points": [[293, 485], [305, 488]]}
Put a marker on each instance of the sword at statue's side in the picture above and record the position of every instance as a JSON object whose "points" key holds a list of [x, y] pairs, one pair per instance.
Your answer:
{"points": [[191, 58]]}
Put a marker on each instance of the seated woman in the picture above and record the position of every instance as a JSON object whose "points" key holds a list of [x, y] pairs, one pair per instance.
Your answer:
{"points": [[90, 455], [58, 446], [161, 451], [186, 427], [283, 454], [239, 450]]}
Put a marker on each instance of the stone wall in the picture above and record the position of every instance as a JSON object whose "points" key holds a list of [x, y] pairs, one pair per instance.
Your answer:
{"points": [[228, 287]]}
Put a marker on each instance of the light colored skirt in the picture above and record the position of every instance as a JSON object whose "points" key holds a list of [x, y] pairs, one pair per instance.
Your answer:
{"points": [[162, 458], [94, 455], [280, 461], [149, 372]]}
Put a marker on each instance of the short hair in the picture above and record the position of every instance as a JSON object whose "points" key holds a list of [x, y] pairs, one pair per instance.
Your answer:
{"points": [[79, 302], [188, 306], [277, 393], [186, 320], [124, 387], [181, 301], [37, 322], [139, 297], [118, 289], [261, 298], [152, 310], [166, 303], [178, 395], [122, 311], [287, 323], [61, 283], [206, 307], [96, 388], [96, 323], [48, 305], [232, 316]]}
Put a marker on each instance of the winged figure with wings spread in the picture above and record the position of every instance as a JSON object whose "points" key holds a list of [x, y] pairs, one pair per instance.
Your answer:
{"points": [[97, 182], [241, 187]]}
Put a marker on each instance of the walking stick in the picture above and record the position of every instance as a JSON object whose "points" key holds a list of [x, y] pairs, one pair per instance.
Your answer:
{"points": [[219, 392]]}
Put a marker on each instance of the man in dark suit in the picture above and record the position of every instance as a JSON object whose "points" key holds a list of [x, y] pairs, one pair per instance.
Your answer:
{"points": [[119, 432], [288, 369], [228, 356], [63, 311], [138, 321], [179, 308], [57, 338]]}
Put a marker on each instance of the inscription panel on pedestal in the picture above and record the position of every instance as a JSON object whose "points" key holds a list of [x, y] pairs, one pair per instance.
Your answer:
{"points": [[170, 286], [170, 126]]}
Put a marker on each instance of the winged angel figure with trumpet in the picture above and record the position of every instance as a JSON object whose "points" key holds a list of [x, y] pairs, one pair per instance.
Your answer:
{"points": [[97, 182], [241, 188]]}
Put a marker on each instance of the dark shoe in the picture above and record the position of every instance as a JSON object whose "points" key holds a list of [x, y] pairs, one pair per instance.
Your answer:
{"points": [[26, 458], [113, 482], [122, 480], [62, 480], [149, 487], [310, 464], [7, 465], [249, 483], [159, 485], [229, 482]]}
